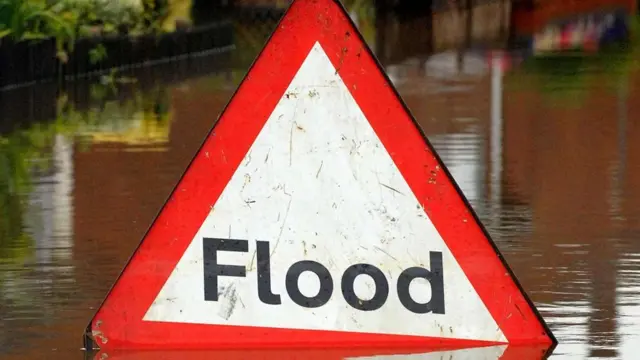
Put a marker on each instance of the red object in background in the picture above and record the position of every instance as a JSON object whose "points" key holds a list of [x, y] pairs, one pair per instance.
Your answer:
{"points": [[529, 21]]}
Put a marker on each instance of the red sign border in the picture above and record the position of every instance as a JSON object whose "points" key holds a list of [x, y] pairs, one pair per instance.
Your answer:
{"points": [[251, 104]]}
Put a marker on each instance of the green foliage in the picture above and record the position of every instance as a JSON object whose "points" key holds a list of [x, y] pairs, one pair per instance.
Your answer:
{"points": [[97, 54], [33, 20], [155, 11], [103, 17], [68, 20], [364, 14]]}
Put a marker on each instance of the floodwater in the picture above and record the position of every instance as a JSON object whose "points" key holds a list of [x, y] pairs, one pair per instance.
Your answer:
{"points": [[546, 150]]}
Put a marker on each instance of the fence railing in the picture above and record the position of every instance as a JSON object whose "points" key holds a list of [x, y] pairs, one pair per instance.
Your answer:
{"points": [[26, 62]]}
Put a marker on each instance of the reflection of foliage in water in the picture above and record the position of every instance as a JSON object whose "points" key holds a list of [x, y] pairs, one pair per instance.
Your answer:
{"points": [[21, 152], [13, 169], [143, 119], [26, 150], [566, 78], [563, 78]]}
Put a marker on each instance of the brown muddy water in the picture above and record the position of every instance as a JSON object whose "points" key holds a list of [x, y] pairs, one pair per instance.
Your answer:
{"points": [[547, 152]]}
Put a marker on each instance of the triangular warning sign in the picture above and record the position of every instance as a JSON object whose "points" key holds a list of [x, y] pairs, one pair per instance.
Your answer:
{"points": [[316, 214]]}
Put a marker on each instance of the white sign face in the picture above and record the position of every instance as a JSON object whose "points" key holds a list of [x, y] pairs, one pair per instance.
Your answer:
{"points": [[316, 197]]}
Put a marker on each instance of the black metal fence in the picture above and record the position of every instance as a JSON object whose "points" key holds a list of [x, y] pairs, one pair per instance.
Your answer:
{"points": [[28, 62], [24, 106]]}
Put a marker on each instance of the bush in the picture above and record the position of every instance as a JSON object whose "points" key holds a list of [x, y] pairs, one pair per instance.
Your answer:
{"points": [[67, 20]]}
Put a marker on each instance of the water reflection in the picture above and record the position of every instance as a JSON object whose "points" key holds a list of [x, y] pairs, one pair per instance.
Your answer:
{"points": [[570, 169], [483, 353], [555, 151], [53, 253]]}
